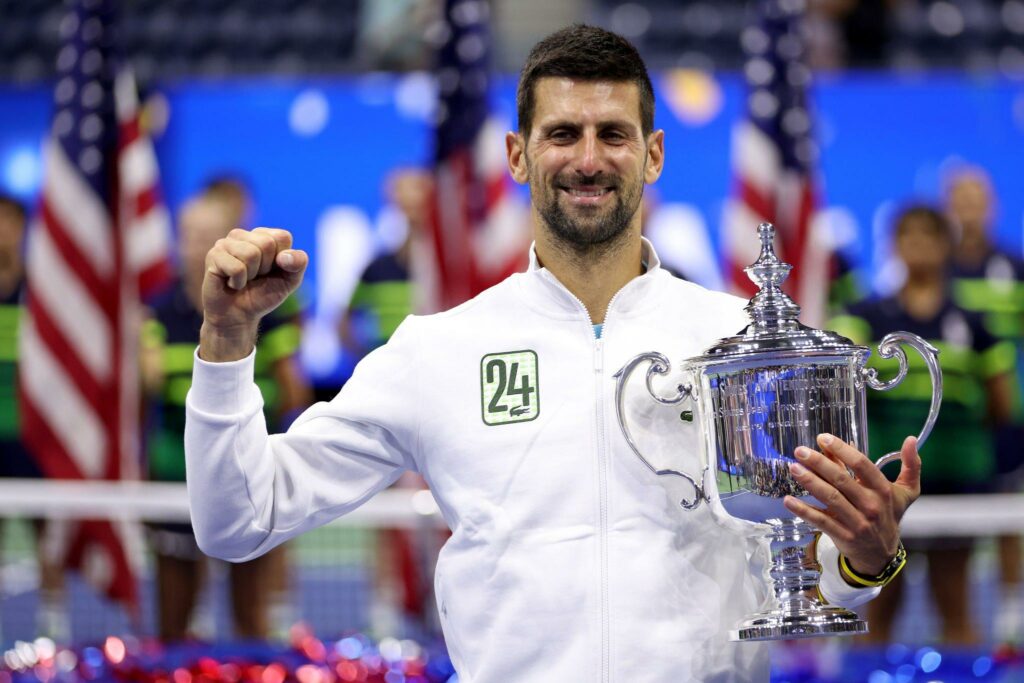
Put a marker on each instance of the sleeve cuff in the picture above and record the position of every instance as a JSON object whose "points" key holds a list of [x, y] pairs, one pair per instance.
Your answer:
{"points": [[833, 588], [223, 388]]}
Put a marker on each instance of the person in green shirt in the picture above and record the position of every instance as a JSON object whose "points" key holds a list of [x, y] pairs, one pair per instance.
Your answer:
{"points": [[977, 369], [15, 459], [990, 281], [170, 336]]}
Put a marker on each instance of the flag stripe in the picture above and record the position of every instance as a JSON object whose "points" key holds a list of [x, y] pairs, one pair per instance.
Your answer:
{"points": [[59, 403], [94, 283], [74, 312], [59, 347], [79, 211]]}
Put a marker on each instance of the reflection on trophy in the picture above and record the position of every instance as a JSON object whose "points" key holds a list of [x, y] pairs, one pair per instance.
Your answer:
{"points": [[759, 395]]}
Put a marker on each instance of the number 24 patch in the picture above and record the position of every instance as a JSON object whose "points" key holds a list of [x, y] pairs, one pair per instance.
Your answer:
{"points": [[509, 387]]}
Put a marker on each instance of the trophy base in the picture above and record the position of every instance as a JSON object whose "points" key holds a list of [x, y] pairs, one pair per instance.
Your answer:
{"points": [[824, 621]]}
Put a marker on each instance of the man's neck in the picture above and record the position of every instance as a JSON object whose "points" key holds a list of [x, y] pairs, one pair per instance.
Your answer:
{"points": [[971, 253], [923, 295], [595, 276]]}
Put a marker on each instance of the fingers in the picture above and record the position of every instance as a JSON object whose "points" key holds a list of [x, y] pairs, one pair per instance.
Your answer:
{"points": [[282, 238], [910, 470], [819, 518], [831, 486], [245, 255], [293, 260], [222, 264], [866, 471]]}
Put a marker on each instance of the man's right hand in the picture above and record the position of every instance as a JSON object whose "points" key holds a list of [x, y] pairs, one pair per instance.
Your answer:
{"points": [[248, 274]]}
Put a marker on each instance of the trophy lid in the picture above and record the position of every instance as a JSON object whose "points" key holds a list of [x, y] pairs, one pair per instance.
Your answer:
{"points": [[773, 314]]}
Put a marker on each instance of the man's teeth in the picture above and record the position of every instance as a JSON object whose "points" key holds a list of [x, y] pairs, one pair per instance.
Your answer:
{"points": [[586, 193]]}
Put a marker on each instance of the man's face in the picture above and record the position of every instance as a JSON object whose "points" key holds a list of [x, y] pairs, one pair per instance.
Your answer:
{"points": [[586, 159], [970, 205], [202, 222], [921, 246], [12, 231]]}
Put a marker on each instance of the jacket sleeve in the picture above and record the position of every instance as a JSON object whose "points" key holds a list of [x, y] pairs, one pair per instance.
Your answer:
{"points": [[834, 589], [249, 492]]}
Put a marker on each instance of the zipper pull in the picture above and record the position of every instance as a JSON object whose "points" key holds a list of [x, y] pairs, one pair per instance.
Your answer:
{"points": [[598, 356]]}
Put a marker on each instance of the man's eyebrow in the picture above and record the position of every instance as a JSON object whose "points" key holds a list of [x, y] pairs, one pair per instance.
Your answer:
{"points": [[601, 125]]}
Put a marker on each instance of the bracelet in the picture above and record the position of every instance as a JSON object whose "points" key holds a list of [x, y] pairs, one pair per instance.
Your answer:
{"points": [[887, 574]]}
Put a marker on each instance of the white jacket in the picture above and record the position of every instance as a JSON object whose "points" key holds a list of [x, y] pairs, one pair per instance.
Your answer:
{"points": [[569, 560]]}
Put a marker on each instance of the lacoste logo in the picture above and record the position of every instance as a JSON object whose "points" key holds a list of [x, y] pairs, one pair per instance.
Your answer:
{"points": [[509, 387]]}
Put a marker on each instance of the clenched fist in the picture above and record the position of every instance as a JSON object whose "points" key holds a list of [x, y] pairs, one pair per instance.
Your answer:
{"points": [[248, 274]]}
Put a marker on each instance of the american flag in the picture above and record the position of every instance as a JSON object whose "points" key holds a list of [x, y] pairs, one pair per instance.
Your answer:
{"points": [[477, 235], [101, 235], [773, 159]]}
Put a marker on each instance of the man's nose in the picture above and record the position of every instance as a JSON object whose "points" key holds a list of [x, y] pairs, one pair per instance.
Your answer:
{"points": [[589, 161]]}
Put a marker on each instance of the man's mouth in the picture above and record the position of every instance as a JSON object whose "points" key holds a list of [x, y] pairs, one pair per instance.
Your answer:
{"points": [[587, 194]]}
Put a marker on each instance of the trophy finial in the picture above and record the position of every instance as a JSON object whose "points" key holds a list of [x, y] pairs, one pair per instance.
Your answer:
{"points": [[770, 309]]}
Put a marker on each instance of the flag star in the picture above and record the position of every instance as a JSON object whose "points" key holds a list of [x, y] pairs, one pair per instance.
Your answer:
{"points": [[470, 47], [91, 128], [68, 25], [63, 122], [755, 40], [92, 95], [763, 104], [89, 160], [66, 58], [65, 90]]}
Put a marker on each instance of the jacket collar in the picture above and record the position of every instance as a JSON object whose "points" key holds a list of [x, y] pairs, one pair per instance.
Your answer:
{"points": [[546, 294]]}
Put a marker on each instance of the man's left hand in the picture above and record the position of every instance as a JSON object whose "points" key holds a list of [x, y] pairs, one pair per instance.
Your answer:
{"points": [[862, 511]]}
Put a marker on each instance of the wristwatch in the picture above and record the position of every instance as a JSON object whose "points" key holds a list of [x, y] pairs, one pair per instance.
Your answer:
{"points": [[887, 574]]}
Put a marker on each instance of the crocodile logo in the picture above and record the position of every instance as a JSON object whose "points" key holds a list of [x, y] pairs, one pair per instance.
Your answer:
{"points": [[519, 410]]}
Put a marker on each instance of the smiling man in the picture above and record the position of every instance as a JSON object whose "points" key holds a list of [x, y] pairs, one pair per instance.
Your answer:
{"points": [[567, 561]]}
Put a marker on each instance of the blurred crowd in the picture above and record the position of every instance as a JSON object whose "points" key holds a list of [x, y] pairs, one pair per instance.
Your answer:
{"points": [[960, 291]]}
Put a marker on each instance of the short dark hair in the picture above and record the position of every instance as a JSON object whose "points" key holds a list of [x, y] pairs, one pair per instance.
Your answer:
{"points": [[586, 53], [939, 223], [14, 205]]}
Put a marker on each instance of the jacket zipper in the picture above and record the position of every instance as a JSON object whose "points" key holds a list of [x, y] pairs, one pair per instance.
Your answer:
{"points": [[602, 483], [602, 473]]}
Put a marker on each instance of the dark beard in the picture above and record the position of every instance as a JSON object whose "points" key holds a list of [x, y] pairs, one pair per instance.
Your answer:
{"points": [[598, 235]]}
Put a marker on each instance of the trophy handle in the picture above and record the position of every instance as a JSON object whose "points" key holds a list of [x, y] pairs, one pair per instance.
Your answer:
{"points": [[889, 347], [659, 366]]}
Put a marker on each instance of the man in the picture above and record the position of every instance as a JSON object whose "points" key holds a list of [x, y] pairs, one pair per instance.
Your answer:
{"points": [[168, 341], [977, 368], [568, 561], [990, 282], [15, 460]]}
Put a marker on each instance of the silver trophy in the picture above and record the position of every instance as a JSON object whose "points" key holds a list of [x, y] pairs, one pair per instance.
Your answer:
{"points": [[758, 396]]}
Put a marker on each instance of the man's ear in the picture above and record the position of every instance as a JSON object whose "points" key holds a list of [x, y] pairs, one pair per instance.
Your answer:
{"points": [[515, 149], [655, 156]]}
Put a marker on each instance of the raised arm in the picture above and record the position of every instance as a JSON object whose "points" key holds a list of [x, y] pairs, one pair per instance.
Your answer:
{"points": [[250, 491]]}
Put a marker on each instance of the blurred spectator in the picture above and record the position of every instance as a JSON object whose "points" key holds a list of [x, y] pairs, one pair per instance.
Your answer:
{"points": [[990, 282], [234, 194], [394, 34], [383, 298], [15, 460], [959, 457], [384, 294], [169, 340], [849, 33]]}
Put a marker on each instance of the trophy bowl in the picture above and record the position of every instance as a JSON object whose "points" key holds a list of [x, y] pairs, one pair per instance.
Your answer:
{"points": [[757, 397]]}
